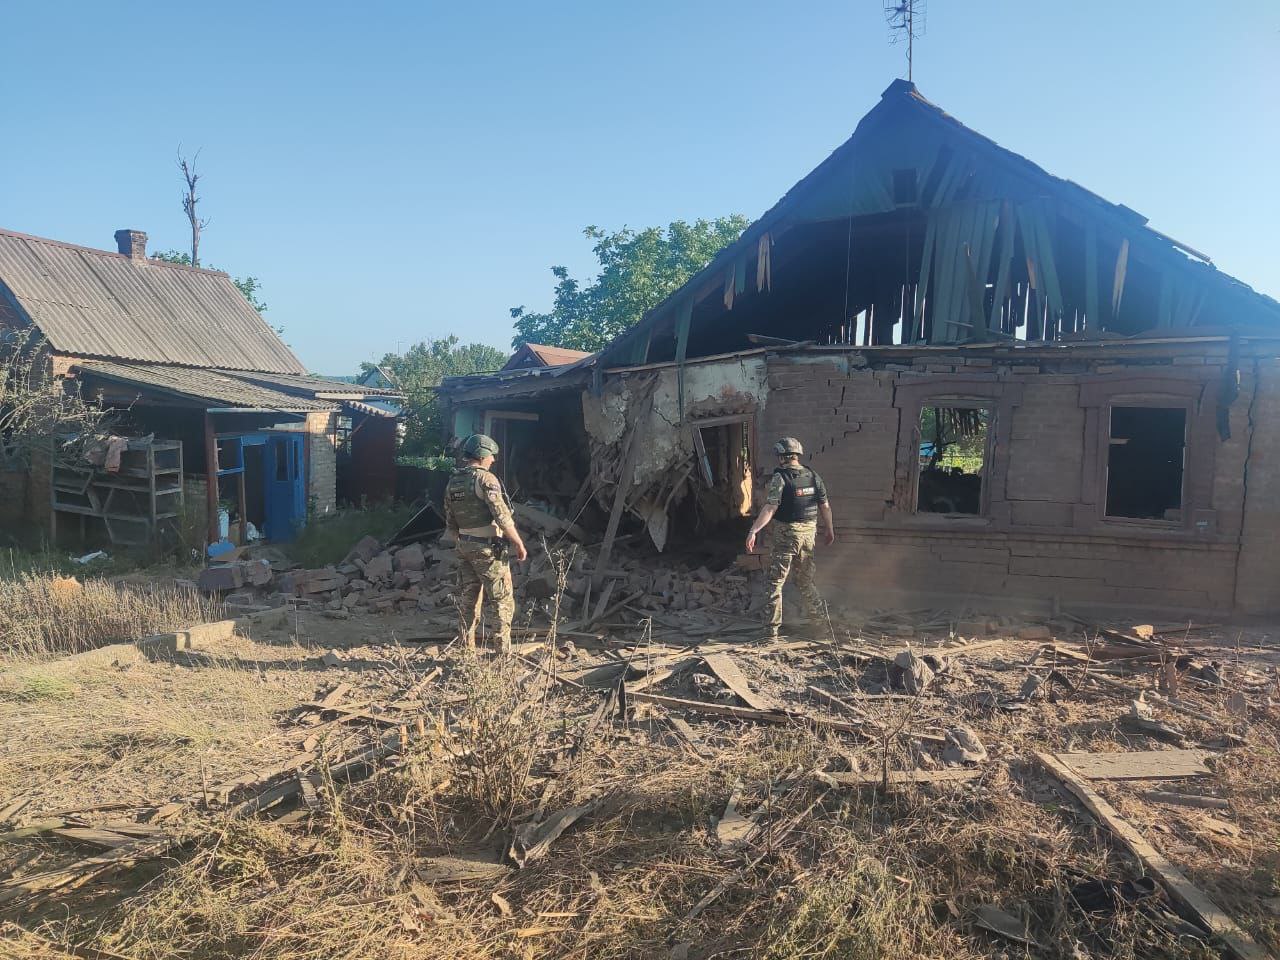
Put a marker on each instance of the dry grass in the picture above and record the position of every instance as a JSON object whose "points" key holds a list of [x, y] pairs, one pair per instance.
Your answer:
{"points": [[863, 875], [43, 615], [860, 873], [83, 731]]}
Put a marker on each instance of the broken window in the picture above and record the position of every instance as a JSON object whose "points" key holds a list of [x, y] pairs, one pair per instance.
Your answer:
{"points": [[342, 435], [953, 459], [1145, 456]]}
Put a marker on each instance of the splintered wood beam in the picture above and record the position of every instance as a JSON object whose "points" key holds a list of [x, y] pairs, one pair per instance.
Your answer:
{"points": [[722, 665], [1189, 899], [624, 484]]}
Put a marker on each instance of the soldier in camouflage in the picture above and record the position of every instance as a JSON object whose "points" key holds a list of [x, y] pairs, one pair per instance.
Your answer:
{"points": [[479, 518], [796, 498]]}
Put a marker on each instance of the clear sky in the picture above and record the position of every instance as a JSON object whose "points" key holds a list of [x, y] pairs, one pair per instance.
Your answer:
{"points": [[397, 171]]}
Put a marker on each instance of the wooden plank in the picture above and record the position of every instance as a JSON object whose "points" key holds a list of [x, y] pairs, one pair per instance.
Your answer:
{"points": [[949, 775], [1190, 901], [732, 828], [962, 648], [1137, 764], [663, 672], [1117, 287], [745, 713], [335, 696], [107, 839], [722, 665], [603, 603], [1187, 800], [546, 523]]}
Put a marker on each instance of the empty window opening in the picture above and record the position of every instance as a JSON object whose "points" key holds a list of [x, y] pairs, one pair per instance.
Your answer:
{"points": [[953, 459], [1145, 462], [723, 460]]}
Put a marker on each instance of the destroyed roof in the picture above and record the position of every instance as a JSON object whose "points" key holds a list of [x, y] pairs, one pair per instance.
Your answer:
{"points": [[522, 380], [956, 165], [229, 389], [541, 355], [97, 303]]}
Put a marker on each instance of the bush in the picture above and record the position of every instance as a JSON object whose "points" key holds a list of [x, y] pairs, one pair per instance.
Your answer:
{"points": [[328, 539]]}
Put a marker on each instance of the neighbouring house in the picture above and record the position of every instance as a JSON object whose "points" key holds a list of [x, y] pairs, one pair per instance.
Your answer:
{"points": [[540, 355], [1015, 389], [220, 412]]}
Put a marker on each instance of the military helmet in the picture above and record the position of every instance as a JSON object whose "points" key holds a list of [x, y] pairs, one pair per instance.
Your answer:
{"points": [[788, 446], [479, 445]]}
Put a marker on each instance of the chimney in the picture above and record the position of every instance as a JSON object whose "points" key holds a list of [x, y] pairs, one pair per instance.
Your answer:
{"points": [[132, 243]]}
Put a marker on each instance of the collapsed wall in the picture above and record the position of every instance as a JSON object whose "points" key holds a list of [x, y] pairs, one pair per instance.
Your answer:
{"points": [[662, 412]]}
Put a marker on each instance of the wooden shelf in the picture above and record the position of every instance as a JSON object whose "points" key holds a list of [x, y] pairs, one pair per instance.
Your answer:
{"points": [[129, 500]]}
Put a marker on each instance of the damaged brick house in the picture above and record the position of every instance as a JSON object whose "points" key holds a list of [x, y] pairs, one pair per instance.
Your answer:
{"points": [[1014, 388], [235, 418]]}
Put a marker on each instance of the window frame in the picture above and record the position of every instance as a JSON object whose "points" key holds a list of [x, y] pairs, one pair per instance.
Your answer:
{"points": [[1131, 403], [988, 455], [910, 397], [1195, 394]]}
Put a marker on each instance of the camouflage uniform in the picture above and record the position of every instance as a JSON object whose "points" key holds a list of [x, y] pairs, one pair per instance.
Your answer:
{"points": [[476, 507], [792, 552]]}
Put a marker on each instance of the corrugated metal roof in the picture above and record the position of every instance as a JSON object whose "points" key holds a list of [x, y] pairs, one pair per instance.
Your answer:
{"points": [[213, 388], [102, 304], [371, 409]]}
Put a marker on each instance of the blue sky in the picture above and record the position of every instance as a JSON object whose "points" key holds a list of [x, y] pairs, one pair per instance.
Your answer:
{"points": [[397, 171]]}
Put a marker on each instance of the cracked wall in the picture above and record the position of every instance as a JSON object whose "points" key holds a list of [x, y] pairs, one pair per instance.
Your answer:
{"points": [[710, 389], [1042, 540]]}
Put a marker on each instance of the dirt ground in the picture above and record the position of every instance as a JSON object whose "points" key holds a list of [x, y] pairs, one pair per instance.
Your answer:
{"points": [[657, 786]]}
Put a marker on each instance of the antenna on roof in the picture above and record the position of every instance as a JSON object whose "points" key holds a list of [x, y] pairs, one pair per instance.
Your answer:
{"points": [[906, 20]]}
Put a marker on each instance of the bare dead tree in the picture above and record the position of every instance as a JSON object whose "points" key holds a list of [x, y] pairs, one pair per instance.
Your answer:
{"points": [[189, 201]]}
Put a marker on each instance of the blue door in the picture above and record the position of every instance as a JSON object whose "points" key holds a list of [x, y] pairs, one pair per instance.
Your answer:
{"points": [[286, 494]]}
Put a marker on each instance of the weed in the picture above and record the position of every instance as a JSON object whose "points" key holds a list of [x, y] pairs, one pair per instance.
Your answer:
{"points": [[865, 911], [327, 540]]}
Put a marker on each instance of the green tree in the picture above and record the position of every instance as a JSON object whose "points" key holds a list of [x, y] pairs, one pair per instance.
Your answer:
{"points": [[419, 371], [251, 287], [637, 270]]}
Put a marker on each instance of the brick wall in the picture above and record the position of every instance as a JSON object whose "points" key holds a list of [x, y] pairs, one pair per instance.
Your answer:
{"points": [[1258, 571], [322, 462], [1042, 540]]}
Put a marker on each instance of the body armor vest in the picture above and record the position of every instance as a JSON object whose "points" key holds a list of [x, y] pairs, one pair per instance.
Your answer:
{"points": [[468, 508], [799, 495]]}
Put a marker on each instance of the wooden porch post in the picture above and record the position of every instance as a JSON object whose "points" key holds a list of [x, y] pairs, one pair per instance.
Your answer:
{"points": [[211, 475]]}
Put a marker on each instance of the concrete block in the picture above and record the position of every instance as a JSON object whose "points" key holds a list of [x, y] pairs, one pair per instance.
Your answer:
{"points": [[366, 549], [265, 620], [410, 558], [219, 579], [379, 568]]}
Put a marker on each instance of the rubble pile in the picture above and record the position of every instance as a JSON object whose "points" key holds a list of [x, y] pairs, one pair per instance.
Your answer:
{"points": [[377, 578], [638, 582]]}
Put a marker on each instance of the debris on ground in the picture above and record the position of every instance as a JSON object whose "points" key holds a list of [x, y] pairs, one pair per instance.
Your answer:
{"points": [[644, 776]]}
